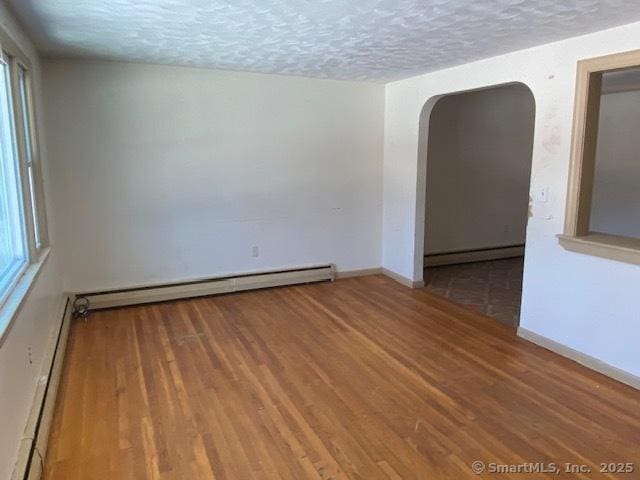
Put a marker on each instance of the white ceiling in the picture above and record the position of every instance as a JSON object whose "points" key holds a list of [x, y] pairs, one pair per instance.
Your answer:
{"points": [[376, 40]]}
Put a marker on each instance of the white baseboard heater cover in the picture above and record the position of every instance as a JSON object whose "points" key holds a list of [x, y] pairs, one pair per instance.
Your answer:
{"points": [[205, 287], [33, 446], [470, 256]]}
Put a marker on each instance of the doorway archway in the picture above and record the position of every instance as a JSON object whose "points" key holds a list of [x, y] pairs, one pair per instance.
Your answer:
{"points": [[475, 154]]}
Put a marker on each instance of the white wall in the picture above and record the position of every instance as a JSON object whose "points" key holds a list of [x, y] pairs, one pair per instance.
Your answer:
{"points": [[37, 321], [478, 169], [587, 303], [167, 173], [616, 189]]}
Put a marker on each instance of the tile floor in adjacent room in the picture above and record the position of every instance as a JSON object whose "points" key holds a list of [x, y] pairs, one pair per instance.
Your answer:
{"points": [[493, 288]]}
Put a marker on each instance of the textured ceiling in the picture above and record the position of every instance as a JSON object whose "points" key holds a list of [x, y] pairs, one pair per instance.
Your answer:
{"points": [[376, 40]]}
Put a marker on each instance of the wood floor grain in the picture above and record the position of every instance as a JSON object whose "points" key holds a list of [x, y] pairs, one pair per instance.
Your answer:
{"points": [[362, 378]]}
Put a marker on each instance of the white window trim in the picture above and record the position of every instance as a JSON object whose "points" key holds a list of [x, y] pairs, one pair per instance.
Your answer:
{"points": [[12, 302], [15, 299], [16, 273]]}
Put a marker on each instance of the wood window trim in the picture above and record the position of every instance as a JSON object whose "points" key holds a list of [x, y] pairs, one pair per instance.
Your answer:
{"points": [[577, 236], [613, 247]]}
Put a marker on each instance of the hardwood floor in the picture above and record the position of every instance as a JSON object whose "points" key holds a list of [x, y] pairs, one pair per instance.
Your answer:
{"points": [[362, 378]]}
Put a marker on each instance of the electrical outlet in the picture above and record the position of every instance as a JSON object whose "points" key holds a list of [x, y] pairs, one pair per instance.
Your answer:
{"points": [[255, 251]]}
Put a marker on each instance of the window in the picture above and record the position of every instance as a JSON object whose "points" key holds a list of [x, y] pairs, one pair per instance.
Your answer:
{"points": [[603, 199], [23, 233], [13, 251], [29, 144]]}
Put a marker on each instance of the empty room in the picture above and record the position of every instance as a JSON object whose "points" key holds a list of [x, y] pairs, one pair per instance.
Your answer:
{"points": [[324, 240]]}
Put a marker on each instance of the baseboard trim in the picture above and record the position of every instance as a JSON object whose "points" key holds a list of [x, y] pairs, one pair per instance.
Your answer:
{"points": [[480, 255], [363, 272], [407, 282], [33, 445], [141, 294], [379, 271], [581, 358]]}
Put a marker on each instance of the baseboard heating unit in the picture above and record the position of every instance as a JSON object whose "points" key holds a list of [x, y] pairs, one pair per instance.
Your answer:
{"points": [[470, 256], [205, 287], [33, 446]]}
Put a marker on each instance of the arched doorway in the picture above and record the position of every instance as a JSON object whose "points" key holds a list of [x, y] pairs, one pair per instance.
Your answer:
{"points": [[478, 147]]}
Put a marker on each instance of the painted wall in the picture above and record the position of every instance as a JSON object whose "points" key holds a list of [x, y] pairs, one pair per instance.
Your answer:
{"points": [[478, 169], [587, 303], [616, 192], [168, 173], [37, 321]]}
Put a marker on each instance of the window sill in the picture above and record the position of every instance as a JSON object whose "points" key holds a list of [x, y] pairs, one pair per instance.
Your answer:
{"points": [[613, 247], [14, 302]]}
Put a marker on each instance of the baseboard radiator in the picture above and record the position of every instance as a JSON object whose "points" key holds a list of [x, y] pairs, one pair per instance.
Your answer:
{"points": [[469, 256], [205, 287], [33, 446]]}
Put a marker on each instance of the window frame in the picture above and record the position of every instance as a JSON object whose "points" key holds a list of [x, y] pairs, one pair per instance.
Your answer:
{"points": [[37, 227], [15, 271], [577, 236], [18, 288]]}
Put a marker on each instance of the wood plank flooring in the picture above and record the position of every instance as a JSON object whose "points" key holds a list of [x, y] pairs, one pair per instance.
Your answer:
{"points": [[362, 378]]}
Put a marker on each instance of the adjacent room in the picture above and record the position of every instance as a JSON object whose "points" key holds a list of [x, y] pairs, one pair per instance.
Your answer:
{"points": [[319, 240], [479, 148]]}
